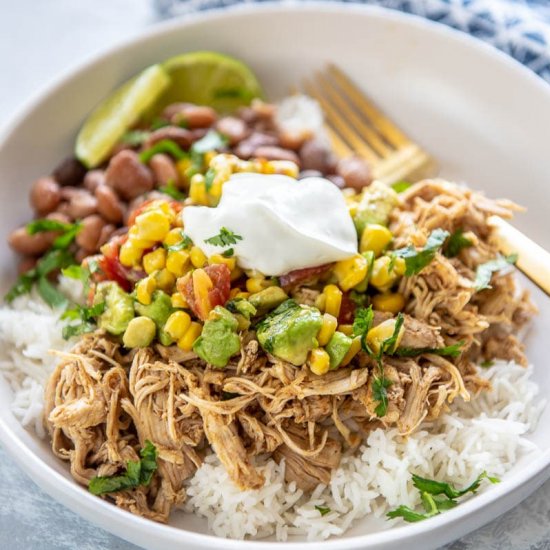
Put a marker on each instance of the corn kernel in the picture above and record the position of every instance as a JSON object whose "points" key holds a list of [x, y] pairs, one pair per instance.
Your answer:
{"points": [[137, 241], [215, 192], [153, 225], [179, 301], [257, 284], [236, 273], [399, 266], [378, 334], [233, 293], [382, 277], [165, 280], [209, 156], [319, 361], [219, 259], [346, 329], [177, 324], [129, 255], [351, 272], [182, 166], [202, 284], [328, 328], [197, 190], [243, 295], [321, 301], [177, 261], [153, 261], [375, 237], [173, 237], [198, 259], [333, 299], [284, 167], [188, 339], [352, 351], [391, 302], [145, 289]]}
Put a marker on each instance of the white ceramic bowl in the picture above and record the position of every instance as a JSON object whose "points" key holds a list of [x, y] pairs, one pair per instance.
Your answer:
{"points": [[483, 116]]}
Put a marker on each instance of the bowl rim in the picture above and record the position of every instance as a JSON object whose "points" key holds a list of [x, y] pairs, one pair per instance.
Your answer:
{"points": [[85, 504]]}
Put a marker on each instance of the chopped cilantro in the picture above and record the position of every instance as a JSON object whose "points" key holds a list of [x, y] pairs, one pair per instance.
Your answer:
{"points": [[171, 190], [86, 319], [210, 142], [417, 260], [323, 510], [167, 146], [400, 186], [455, 243], [453, 350], [485, 271], [225, 237]]}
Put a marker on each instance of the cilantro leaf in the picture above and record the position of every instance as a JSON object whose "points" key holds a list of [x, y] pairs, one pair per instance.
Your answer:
{"points": [[50, 294], [389, 344], [441, 488], [209, 179], [228, 253], [453, 350], [225, 237], [167, 146], [135, 137], [417, 260], [68, 231], [323, 510], [186, 242], [211, 141], [171, 190], [487, 363], [455, 243], [408, 514], [138, 472], [86, 319], [380, 386], [400, 186], [485, 271], [362, 321]]}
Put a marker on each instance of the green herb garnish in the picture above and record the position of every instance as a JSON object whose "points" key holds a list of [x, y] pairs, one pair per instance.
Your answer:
{"points": [[212, 141], [362, 321], [167, 146], [323, 510], [186, 242], [135, 138], [453, 350], [487, 363], [138, 472], [69, 231], [485, 271], [226, 237], [209, 179], [400, 186], [86, 319], [228, 253], [171, 190], [429, 491], [51, 261], [455, 243], [417, 260]]}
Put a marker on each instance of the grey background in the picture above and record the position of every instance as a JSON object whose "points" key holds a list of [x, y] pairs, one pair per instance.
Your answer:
{"points": [[45, 38]]}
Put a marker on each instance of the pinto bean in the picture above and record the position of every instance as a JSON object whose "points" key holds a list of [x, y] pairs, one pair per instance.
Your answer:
{"points": [[337, 180], [315, 155], [80, 203], [194, 116], [31, 245], [128, 176], [164, 169], [69, 172], [59, 217], [276, 153], [182, 136], [88, 236], [233, 128], [80, 255], [26, 264], [246, 148], [248, 115], [93, 179], [291, 140], [108, 204], [45, 196], [106, 233], [355, 171]]}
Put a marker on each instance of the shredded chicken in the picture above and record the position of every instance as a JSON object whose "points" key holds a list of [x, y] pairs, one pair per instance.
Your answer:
{"points": [[102, 405]]}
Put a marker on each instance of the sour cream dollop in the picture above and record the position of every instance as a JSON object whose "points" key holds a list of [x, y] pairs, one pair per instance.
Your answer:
{"points": [[285, 224]]}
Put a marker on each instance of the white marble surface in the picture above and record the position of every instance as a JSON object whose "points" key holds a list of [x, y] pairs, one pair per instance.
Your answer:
{"points": [[44, 39]]}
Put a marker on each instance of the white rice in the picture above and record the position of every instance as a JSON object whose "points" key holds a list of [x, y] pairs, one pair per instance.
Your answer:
{"points": [[486, 434]]}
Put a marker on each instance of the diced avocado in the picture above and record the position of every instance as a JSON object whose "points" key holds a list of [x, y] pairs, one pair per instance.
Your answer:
{"points": [[242, 306], [139, 333], [158, 310], [337, 348], [268, 299], [119, 307], [289, 331], [219, 340], [375, 205]]}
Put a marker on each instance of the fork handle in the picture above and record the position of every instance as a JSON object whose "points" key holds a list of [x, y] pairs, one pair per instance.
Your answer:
{"points": [[533, 260]]}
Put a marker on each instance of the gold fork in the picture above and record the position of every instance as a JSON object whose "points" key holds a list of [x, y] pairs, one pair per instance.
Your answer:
{"points": [[356, 126]]}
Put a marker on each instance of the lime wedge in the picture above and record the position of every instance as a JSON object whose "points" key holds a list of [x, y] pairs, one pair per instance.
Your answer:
{"points": [[120, 111], [208, 78]]}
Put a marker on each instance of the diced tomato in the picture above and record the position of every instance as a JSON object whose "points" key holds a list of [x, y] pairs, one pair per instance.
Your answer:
{"points": [[220, 275], [347, 310], [299, 276], [111, 269]]}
